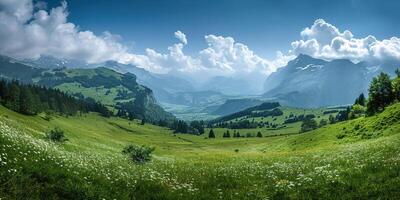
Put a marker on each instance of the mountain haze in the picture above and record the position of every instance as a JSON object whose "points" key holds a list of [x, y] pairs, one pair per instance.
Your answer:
{"points": [[310, 82]]}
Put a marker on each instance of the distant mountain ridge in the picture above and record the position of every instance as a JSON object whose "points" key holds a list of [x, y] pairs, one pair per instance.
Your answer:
{"points": [[50, 62], [163, 85], [310, 82]]}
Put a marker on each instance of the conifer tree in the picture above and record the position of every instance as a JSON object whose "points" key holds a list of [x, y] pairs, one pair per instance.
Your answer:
{"points": [[360, 100], [259, 134], [211, 134]]}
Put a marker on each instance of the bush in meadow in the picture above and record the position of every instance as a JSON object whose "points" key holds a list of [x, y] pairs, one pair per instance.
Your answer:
{"points": [[138, 154], [308, 125], [56, 135], [259, 134]]}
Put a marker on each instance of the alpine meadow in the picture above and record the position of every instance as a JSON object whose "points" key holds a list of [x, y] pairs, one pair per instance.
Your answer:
{"points": [[251, 100]]}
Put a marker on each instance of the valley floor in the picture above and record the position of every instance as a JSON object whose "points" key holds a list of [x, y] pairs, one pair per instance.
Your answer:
{"points": [[357, 159]]}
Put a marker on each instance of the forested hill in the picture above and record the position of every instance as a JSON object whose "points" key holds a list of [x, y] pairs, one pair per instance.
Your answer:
{"points": [[119, 92], [33, 99]]}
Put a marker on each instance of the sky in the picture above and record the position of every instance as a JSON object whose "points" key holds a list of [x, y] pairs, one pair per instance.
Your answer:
{"points": [[236, 38], [265, 26]]}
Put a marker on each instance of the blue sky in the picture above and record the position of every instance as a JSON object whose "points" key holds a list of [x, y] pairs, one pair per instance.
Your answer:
{"points": [[264, 26]]}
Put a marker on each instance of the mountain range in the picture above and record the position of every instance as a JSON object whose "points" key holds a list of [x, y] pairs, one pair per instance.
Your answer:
{"points": [[303, 82], [311, 82]]}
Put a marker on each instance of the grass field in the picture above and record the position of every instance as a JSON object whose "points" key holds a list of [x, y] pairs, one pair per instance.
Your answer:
{"points": [[358, 159]]}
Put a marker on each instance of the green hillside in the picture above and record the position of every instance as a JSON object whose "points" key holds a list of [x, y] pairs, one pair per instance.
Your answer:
{"points": [[356, 159], [101, 84]]}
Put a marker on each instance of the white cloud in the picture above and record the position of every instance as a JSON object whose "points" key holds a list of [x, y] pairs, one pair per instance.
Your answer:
{"points": [[224, 54], [323, 40], [29, 33], [181, 37]]}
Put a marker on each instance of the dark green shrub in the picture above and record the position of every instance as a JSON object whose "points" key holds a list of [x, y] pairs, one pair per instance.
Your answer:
{"points": [[56, 135], [259, 134], [138, 154], [308, 124], [340, 136]]}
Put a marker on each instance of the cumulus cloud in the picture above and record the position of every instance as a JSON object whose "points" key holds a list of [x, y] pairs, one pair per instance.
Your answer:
{"points": [[323, 40], [181, 37], [29, 33], [223, 53]]}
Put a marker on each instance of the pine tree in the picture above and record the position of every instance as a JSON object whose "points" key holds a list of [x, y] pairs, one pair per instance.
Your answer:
{"points": [[211, 134], [360, 100], [259, 134], [238, 134]]}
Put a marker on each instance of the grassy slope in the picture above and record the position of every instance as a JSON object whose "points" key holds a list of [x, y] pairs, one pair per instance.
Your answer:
{"points": [[364, 164], [106, 96], [103, 94], [90, 131]]}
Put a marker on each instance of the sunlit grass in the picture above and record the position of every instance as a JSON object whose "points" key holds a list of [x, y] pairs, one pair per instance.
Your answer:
{"points": [[302, 166]]}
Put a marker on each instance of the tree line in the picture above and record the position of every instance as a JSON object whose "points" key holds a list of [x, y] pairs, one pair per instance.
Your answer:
{"points": [[194, 127], [33, 99], [244, 124], [235, 134]]}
